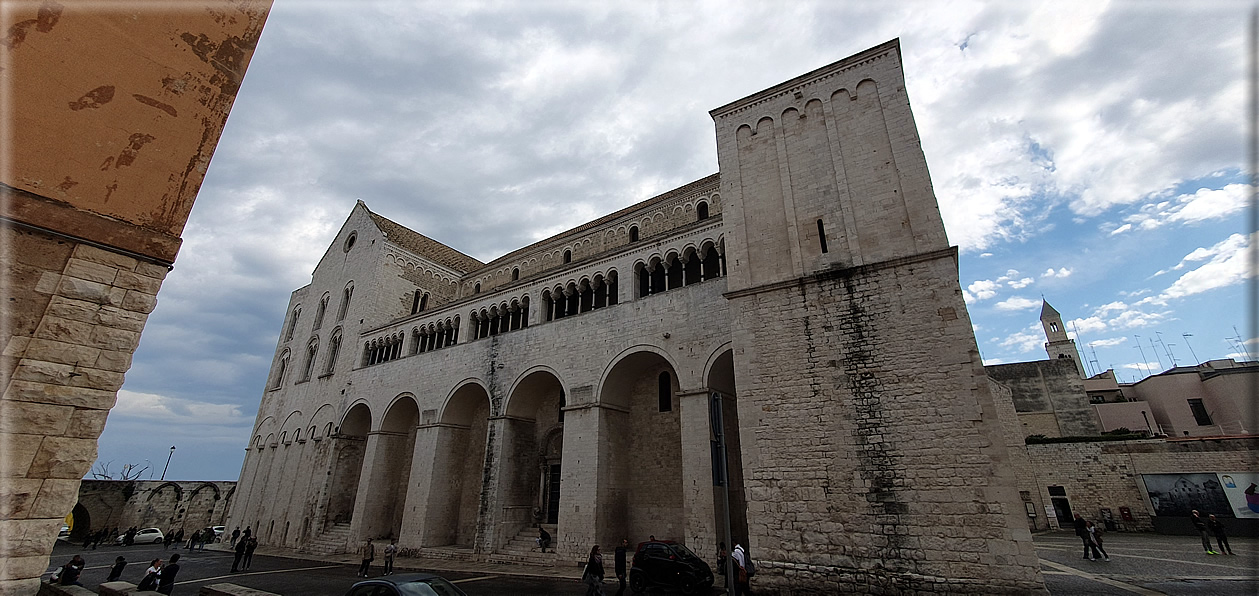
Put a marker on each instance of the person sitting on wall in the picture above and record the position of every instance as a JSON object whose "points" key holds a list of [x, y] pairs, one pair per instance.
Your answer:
{"points": [[544, 538], [69, 573]]}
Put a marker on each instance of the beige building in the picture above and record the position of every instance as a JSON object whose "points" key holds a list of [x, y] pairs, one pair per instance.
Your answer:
{"points": [[808, 288], [103, 155]]}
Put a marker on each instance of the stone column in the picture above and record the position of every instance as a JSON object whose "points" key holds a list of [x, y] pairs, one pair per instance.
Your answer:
{"points": [[419, 493], [489, 513], [64, 368], [364, 497], [584, 482], [697, 472]]}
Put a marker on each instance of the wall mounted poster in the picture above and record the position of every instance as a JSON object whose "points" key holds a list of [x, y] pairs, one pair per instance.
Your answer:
{"points": [[1243, 493], [1234, 494]]}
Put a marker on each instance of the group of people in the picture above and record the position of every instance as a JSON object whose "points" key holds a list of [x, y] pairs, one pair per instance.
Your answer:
{"points": [[1214, 527], [368, 551], [243, 546], [1091, 535], [593, 574], [159, 577]]}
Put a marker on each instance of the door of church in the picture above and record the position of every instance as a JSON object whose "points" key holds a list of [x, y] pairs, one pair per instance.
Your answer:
{"points": [[553, 494]]}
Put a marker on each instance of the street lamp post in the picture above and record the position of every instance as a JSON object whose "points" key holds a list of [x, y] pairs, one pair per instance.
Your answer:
{"points": [[172, 453]]}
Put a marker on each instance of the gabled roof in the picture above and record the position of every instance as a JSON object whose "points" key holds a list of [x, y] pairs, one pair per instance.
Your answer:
{"points": [[423, 245], [1048, 312]]}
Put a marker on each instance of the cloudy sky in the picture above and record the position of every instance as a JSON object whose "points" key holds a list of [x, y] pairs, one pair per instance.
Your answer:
{"points": [[1090, 153]]}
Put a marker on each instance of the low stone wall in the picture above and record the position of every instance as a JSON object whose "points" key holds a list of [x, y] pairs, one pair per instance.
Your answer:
{"points": [[46, 589], [232, 590], [1107, 475]]}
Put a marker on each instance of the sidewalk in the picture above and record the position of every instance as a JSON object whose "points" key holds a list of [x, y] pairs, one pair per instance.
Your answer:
{"points": [[561, 571]]}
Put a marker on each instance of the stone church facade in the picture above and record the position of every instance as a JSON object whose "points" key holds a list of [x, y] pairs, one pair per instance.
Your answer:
{"points": [[809, 288]]}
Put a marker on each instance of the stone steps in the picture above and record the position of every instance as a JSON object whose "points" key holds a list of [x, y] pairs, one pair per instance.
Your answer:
{"points": [[334, 540]]}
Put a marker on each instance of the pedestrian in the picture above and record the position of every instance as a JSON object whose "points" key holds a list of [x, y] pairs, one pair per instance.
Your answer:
{"points": [[544, 538], [207, 535], [1221, 537], [391, 549], [69, 573], [115, 572], [97, 538], [1095, 535], [722, 557], [250, 545], [130, 537], [1200, 525], [192, 541], [240, 554], [1082, 531], [593, 575], [740, 559], [248, 532], [166, 577], [179, 538], [620, 565], [149, 583], [235, 536], [167, 539], [368, 551]]}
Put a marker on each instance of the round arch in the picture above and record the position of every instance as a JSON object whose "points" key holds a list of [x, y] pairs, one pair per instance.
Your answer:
{"points": [[635, 351]]}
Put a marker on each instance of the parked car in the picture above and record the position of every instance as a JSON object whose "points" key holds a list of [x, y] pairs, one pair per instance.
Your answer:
{"points": [[144, 536], [406, 584], [669, 565], [218, 533], [64, 534]]}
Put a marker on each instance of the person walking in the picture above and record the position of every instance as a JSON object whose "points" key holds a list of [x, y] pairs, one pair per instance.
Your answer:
{"points": [[115, 572], [593, 576], [149, 583], [250, 545], [1095, 535], [166, 577], [1221, 537], [723, 559], [740, 559], [391, 549], [240, 554], [1082, 531], [620, 565], [1200, 525], [368, 552], [168, 538], [192, 540], [235, 536]]}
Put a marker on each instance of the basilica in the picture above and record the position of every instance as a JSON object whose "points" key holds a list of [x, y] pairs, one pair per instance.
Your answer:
{"points": [[777, 354]]}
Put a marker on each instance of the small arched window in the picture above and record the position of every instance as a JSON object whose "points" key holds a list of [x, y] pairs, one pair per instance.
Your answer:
{"points": [[701, 211], [283, 368], [323, 309], [515, 274], [334, 347], [666, 393], [297, 312], [633, 233], [568, 256], [477, 288], [309, 367], [345, 302]]}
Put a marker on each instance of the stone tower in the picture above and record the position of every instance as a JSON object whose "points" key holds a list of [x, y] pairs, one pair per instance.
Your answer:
{"points": [[872, 454], [1058, 344]]}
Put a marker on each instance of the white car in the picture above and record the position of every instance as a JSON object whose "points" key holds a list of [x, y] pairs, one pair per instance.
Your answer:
{"points": [[218, 533], [145, 536]]}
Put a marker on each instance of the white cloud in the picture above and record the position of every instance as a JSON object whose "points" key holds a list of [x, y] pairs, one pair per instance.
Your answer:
{"points": [[1025, 341], [1204, 205], [1121, 229], [982, 289], [1143, 367], [1087, 324], [1019, 284], [1017, 303], [170, 410], [1059, 273], [1226, 264]]}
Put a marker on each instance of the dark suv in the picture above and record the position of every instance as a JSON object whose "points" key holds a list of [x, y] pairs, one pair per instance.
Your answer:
{"points": [[667, 564]]}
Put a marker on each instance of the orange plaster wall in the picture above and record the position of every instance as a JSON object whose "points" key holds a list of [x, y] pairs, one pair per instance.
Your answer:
{"points": [[116, 108]]}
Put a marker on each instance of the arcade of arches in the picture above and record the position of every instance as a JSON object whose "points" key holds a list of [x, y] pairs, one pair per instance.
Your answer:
{"points": [[614, 461]]}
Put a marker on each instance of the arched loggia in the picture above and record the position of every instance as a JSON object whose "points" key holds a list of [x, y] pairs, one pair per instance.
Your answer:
{"points": [[391, 470], [533, 433], [459, 469], [349, 448]]}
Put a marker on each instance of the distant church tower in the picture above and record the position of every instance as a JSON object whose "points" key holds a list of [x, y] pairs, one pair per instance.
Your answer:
{"points": [[1059, 345]]}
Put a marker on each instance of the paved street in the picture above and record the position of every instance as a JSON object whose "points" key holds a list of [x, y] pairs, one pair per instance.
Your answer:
{"points": [[1140, 564]]}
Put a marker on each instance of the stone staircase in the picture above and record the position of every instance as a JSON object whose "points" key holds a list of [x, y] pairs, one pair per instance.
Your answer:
{"points": [[334, 540], [522, 550]]}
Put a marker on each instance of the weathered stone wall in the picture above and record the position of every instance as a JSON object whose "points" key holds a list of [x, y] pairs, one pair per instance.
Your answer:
{"points": [[1107, 475], [108, 155], [1049, 395], [179, 505]]}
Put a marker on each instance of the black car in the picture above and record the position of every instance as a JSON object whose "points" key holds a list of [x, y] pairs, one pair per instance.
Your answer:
{"points": [[667, 564], [406, 584]]}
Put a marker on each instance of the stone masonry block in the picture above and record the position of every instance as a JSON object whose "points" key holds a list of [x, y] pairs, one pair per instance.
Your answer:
{"points": [[66, 330], [43, 372], [82, 289], [19, 587], [132, 281], [56, 351], [79, 397], [91, 271], [75, 310], [48, 283], [114, 361], [116, 340], [56, 498], [63, 457], [139, 302], [17, 496], [16, 346], [104, 257], [152, 270], [22, 416], [121, 319], [115, 588], [28, 537], [19, 450], [87, 424]]}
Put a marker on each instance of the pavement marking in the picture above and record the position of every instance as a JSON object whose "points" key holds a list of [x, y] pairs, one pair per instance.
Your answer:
{"points": [[1132, 556], [471, 579], [1100, 579], [239, 574]]}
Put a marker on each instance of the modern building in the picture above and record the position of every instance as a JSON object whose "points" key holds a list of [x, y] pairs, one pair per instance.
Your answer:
{"points": [[807, 291]]}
